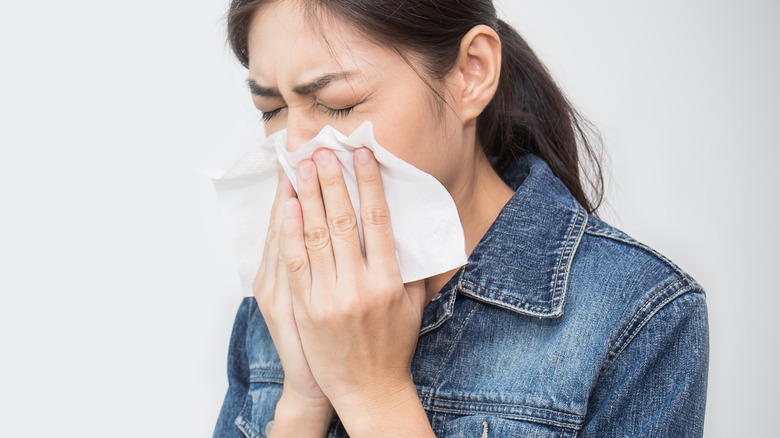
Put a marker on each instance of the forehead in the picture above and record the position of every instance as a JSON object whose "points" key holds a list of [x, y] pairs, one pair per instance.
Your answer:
{"points": [[287, 43]]}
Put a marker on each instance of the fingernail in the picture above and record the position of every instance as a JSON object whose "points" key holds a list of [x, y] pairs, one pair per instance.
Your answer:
{"points": [[305, 170], [322, 157], [363, 156], [289, 208]]}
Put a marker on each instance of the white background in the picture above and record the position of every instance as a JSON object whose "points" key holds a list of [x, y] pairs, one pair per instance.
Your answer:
{"points": [[118, 288]]}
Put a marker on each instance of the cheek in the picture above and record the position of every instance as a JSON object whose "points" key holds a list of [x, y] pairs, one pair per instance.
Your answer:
{"points": [[419, 138], [272, 127], [414, 129]]}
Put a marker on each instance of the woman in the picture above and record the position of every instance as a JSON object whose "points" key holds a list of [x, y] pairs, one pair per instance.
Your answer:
{"points": [[558, 325]]}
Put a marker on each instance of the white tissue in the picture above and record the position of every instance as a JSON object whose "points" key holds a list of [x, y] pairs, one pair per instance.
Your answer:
{"points": [[426, 227]]}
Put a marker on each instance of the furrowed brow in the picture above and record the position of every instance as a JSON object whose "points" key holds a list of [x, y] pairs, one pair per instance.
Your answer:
{"points": [[320, 83], [258, 90], [303, 89]]}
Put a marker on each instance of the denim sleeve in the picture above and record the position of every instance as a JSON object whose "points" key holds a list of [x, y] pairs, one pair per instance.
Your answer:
{"points": [[238, 374], [656, 383]]}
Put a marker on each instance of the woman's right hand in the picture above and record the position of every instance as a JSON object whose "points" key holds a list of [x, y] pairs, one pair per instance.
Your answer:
{"points": [[303, 408]]}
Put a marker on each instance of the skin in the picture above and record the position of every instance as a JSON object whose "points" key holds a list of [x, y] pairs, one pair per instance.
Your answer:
{"points": [[346, 326]]}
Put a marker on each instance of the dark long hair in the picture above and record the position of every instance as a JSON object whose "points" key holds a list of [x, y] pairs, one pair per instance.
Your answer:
{"points": [[528, 114]]}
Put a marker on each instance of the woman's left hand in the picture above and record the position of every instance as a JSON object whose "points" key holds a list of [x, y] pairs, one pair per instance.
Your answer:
{"points": [[357, 321]]}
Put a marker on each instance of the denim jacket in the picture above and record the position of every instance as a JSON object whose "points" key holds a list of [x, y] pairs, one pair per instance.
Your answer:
{"points": [[559, 325]]}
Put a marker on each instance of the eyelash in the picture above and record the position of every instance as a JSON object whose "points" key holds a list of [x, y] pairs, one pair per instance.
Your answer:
{"points": [[335, 113], [268, 115]]}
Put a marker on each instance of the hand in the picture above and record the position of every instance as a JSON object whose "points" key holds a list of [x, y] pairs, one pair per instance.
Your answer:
{"points": [[358, 322], [274, 298]]}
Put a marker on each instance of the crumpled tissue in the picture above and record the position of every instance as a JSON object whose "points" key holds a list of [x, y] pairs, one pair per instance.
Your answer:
{"points": [[426, 227]]}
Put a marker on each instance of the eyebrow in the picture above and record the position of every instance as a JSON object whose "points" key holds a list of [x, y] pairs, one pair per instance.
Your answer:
{"points": [[303, 89], [258, 90]]}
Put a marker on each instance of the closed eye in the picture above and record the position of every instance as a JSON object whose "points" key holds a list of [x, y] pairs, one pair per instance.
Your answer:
{"points": [[268, 115], [332, 112], [337, 113]]}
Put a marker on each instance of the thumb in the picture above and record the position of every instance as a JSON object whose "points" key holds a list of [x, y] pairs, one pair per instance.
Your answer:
{"points": [[417, 293]]}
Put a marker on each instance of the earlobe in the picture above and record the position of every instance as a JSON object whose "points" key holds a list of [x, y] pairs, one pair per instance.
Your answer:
{"points": [[479, 68]]}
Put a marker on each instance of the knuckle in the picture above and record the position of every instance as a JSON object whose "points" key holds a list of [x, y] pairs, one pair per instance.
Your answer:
{"points": [[295, 264], [369, 177], [321, 316], [288, 233], [360, 304], [386, 287], [351, 307], [307, 193], [336, 313], [343, 225], [272, 235], [377, 216], [330, 182], [316, 238], [381, 288]]}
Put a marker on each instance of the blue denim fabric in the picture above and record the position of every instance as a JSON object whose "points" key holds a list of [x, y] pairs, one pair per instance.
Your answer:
{"points": [[559, 325]]}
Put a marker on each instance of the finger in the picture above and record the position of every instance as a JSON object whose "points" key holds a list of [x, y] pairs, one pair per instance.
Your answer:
{"points": [[294, 256], [417, 293], [267, 268], [315, 227], [342, 221], [284, 191], [285, 186], [374, 214]]}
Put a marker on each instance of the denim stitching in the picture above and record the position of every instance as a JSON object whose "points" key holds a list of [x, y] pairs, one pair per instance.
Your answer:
{"points": [[258, 375], [447, 313], [646, 312], [446, 356], [246, 428], [617, 346], [641, 311], [628, 240], [508, 405], [510, 416], [240, 421], [567, 256], [559, 285], [647, 318], [518, 305]]}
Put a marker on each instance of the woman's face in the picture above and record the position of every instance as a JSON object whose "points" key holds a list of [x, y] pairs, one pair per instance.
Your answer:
{"points": [[304, 77]]}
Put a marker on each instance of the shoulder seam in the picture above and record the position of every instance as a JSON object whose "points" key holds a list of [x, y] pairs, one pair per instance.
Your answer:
{"points": [[624, 238], [649, 308]]}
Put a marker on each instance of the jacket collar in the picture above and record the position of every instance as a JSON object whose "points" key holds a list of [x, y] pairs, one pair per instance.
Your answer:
{"points": [[522, 263]]}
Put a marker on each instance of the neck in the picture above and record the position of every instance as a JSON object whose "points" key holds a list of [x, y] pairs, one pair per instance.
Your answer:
{"points": [[479, 195]]}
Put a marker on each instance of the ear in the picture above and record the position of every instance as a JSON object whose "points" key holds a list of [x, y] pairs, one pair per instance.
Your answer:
{"points": [[474, 79]]}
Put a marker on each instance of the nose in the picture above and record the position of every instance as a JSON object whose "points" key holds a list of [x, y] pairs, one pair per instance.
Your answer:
{"points": [[301, 128]]}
